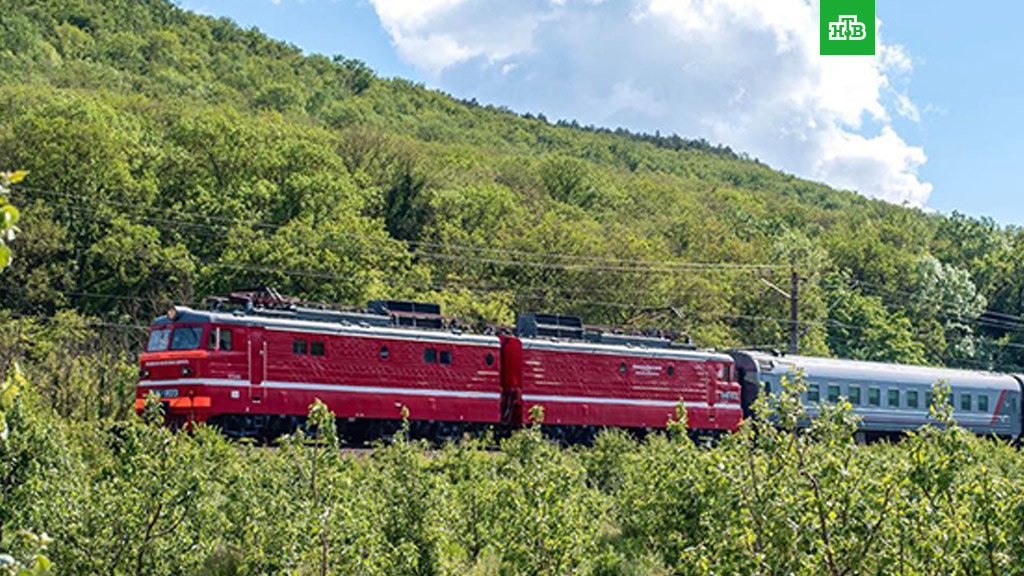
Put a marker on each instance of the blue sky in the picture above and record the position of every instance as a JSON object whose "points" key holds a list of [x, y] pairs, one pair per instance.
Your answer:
{"points": [[933, 120]]}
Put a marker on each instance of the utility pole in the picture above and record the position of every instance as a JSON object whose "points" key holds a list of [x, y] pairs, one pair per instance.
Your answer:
{"points": [[794, 312], [793, 295]]}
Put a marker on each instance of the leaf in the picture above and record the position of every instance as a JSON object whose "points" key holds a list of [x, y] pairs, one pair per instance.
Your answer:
{"points": [[9, 216], [5, 256], [42, 564], [17, 176], [9, 391]]}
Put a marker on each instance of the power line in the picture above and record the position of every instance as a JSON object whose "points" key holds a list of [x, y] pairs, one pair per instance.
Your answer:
{"points": [[209, 229], [909, 297], [603, 263], [617, 265]]}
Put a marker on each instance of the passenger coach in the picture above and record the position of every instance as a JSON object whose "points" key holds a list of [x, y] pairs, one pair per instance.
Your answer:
{"points": [[889, 398]]}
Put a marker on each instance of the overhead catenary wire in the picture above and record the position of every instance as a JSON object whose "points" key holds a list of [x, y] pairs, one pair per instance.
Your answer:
{"points": [[611, 264], [668, 267], [778, 321], [630, 267]]}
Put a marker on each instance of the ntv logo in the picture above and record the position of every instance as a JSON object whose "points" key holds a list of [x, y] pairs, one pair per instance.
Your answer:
{"points": [[844, 20], [847, 28]]}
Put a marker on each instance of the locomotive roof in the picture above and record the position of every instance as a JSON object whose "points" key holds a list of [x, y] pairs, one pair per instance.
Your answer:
{"points": [[613, 349], [189, 316], [882, 373]]}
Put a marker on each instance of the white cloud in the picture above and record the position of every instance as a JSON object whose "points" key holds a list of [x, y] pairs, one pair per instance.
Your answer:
{"points": [[742, 72]]}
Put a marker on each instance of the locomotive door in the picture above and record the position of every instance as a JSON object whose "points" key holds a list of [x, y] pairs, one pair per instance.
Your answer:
{"points": [[714, 377], [257, 349]]}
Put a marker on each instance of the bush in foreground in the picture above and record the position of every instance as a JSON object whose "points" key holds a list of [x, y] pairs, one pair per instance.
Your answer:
{"points": [[134, 498]]}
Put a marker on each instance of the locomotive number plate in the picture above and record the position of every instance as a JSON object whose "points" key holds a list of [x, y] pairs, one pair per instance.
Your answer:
{"points": [[167, 392]]}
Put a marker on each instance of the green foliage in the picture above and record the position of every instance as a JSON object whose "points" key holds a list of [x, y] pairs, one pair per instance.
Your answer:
{"points": [[779, 497], [175, 155]]}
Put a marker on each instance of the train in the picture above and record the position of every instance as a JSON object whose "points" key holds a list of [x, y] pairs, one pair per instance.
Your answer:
{"points": [[254, 361]]}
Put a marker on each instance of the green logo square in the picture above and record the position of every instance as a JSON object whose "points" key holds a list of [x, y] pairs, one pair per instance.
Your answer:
{"points": [[847, 27]]}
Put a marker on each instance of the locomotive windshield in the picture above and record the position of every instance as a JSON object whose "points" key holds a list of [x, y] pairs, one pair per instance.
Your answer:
{"points": [[158, 340], [187, 338]]}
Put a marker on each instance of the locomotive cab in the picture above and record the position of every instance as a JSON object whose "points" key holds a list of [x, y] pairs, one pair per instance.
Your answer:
{"points": [[187, 356]]}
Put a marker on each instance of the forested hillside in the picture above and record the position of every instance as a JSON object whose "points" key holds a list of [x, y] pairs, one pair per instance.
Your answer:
{"points": [[172, 156]]}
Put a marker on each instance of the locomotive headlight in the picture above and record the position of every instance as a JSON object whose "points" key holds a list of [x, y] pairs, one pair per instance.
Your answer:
{"points": [[172, 314], [143, 373], [186, 371]]}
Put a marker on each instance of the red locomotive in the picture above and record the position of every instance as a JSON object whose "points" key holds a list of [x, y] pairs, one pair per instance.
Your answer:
{"points": [[254, 371]]}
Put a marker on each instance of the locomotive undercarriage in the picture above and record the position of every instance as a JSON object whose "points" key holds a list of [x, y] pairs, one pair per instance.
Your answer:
{"points": [[353, 432], [359, 432]]}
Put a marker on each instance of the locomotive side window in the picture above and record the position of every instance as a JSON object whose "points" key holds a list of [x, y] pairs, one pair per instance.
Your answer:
{"points": [[187, 338], [489, 359], [158, 340], [299, 346], [911, 398], [965, 402], [384, 353], [219, 339], [983, 403], [430, 355], [446, 357], [316, 348], [813, 393], [622, 368], [671, 371], [874, 396], [894, 398], [854, 395]]}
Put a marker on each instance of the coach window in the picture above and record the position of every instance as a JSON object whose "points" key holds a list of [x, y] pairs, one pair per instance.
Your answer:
{"points": [[384, 352], [853, 393], [489, 359], [446, 357], [874, 396], [911, 398], [833, 393], [894, 398], [965, 402], [983, 403], [316, 348], [430, 355], [299, 346], [813, 393]]}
